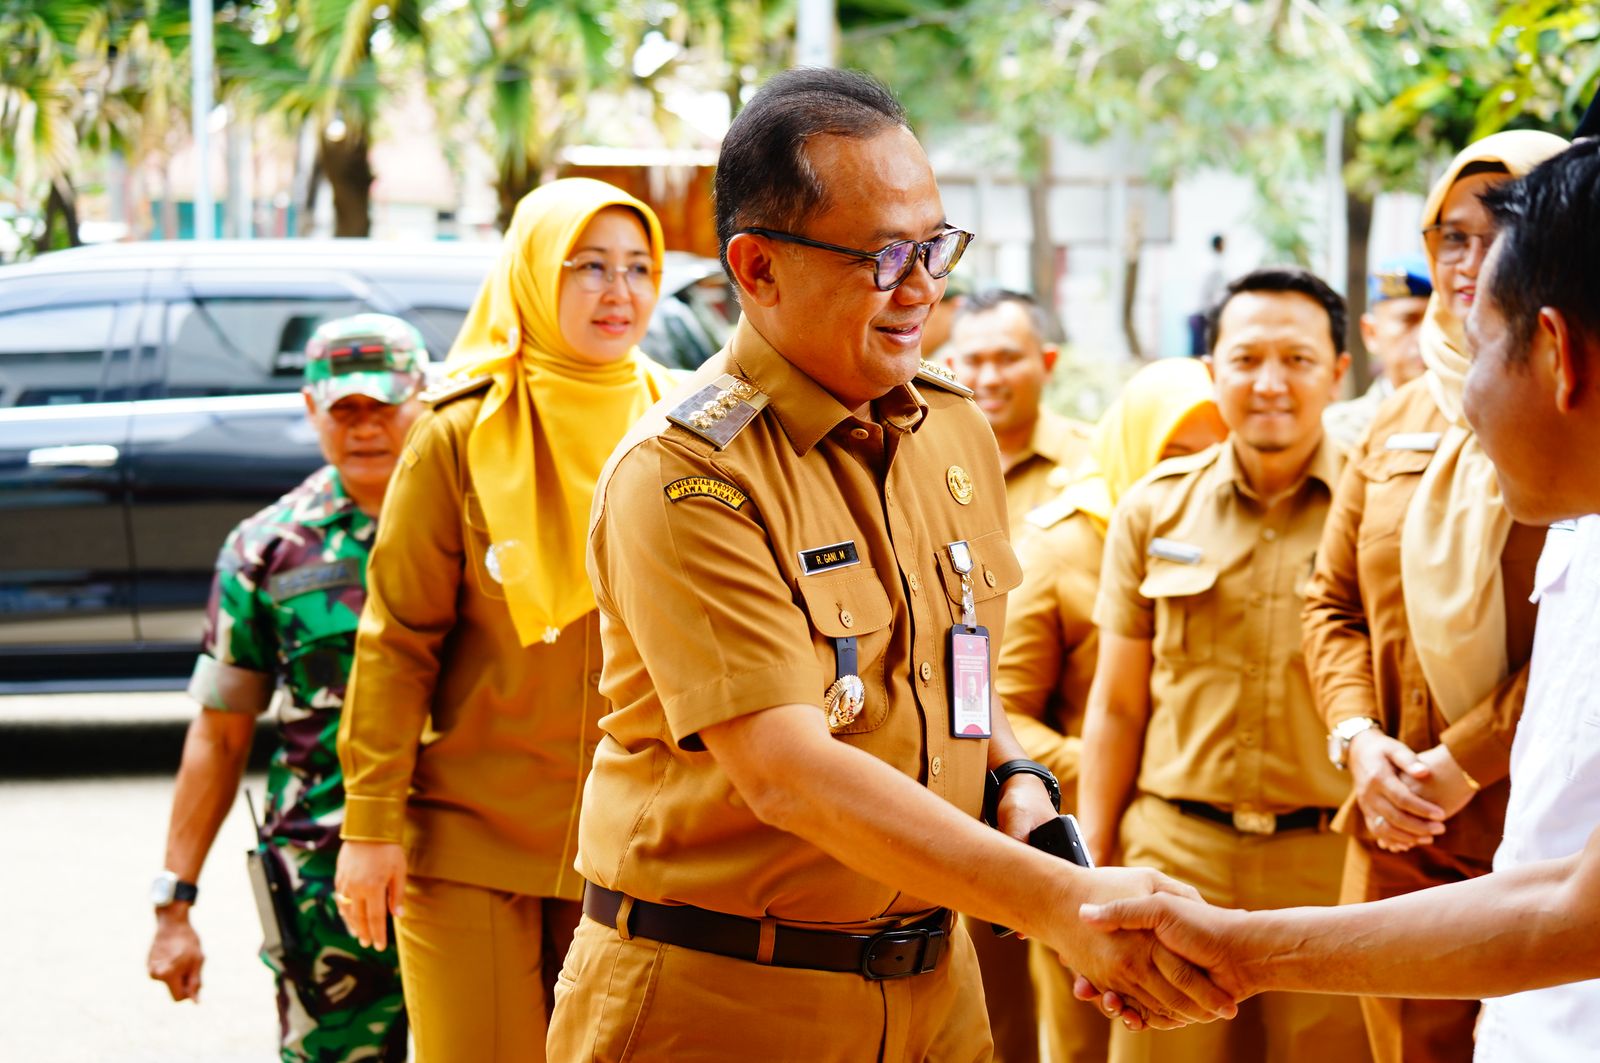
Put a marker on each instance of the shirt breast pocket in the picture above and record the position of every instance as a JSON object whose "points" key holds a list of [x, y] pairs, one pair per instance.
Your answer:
{"points": [[318, 632], [995, 571], [1392, 477], [852, 604], [485, 559], [1185, 621]]}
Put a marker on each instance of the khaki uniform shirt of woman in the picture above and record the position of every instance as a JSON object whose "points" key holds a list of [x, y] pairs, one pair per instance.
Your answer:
{"points": [[474, 703]]}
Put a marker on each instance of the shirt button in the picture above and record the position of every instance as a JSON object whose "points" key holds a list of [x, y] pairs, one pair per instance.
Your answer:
{"points": [[859, 433], [916, 584], [594, 679], [846, 619], [988, 577], [1251, 669], [1257, 598], [926, 671], [1247, 738], [1416, 697], [1270, 534], [935, 766]]}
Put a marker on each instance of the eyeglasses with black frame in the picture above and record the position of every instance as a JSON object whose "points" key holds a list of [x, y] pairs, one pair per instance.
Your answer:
{"points": [[1448, 244], [894, 263]]}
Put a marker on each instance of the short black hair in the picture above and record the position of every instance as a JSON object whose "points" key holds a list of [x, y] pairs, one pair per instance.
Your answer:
{"points": [[993, 298], [764, 177], [1284, 279], [1546, 250]]}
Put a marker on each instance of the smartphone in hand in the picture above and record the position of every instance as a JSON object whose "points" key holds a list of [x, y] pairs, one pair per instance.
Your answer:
{"points": [[1059, 837]]}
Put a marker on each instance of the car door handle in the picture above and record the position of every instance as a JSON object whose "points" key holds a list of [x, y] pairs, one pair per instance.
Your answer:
{"points": [[90, 455]]}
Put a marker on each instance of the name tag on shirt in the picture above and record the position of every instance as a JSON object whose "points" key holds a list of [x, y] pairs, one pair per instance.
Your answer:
{"points": [[823, 558], [969, 682], [1173, 550], [1426, 442]]}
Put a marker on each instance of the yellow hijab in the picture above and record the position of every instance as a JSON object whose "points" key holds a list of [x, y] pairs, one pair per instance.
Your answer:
{"points": [[550, 419], [1456, 526], [1130, 436]]}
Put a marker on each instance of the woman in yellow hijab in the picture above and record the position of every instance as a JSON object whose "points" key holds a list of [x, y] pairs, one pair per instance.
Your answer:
{"points": [[1417, 626], [472, 708], [1048, 654]]}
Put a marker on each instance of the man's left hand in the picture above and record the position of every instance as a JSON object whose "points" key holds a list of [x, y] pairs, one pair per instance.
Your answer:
{"points": [[1446, 784], [1024, 804]]}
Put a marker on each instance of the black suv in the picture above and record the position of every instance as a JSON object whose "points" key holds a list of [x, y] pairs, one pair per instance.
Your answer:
{"points": [[149, 401]]}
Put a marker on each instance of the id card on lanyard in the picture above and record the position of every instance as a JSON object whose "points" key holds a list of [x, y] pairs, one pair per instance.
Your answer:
{"points": [[970, 704]]}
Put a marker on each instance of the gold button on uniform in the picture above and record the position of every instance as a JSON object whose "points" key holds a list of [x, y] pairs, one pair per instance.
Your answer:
{"points": [[926, 671], [846, 619], [1270, 534], [936, 765], [960, 484], [916, 584]]}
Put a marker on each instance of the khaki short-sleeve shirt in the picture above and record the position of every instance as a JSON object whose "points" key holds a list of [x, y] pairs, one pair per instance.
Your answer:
{"points": [[1058, 447], [1195, 564], [725, 576]]}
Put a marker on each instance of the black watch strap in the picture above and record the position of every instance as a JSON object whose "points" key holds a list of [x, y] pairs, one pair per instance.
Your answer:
{"points": [[186, 892], [999, 775]]}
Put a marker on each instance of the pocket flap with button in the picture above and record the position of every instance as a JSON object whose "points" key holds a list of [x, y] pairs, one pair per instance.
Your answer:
{"points": [[1382, 465], [851, 602], [1170, 579], [995, 569]]}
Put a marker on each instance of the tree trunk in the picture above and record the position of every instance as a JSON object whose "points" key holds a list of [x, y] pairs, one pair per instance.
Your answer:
{"points": [[1042, 248], [510, 186], [1358, 215], [62, 204], [345, 165]]}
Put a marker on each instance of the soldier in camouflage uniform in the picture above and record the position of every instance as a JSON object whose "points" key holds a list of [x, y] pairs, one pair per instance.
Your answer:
{"points": [[285, 602]]}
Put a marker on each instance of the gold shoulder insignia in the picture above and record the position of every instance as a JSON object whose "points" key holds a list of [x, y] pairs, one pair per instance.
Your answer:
{"points": [[453, 388], [719, 410], [940, 377], [1183, 463], [1051, 513]]}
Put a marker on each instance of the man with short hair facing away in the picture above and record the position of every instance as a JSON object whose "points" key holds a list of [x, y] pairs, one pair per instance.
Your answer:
{"points": [[1397, 299], [288, 592], [792, 558], [1203, 755], [1000, 348]]}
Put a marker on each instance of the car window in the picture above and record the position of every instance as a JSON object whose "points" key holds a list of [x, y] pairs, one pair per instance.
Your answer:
{"points": [[443, 322], [53, 355], [243, 345]]}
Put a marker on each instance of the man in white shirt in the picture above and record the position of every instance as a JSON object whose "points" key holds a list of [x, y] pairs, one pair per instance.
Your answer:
{"points": [[1533, 397]]}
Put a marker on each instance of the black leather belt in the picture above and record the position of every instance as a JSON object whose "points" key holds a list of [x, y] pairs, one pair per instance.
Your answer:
{"points": [[914, 949], [1246, 822]]}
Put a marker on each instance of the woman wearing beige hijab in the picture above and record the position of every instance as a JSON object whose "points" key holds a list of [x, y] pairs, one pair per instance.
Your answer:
{"points": [[474, 704], [1417, 624]]}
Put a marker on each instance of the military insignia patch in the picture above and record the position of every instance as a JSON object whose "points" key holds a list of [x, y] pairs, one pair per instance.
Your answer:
{"points": [[939, 376], [706, 487], [719, 410], [346, 572]]}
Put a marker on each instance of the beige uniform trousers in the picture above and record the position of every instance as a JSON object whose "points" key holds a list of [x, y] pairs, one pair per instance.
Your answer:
{"points": [[474, 964], [1411, 1031], [1251, 871], [640, 1000], [1007, 992]]}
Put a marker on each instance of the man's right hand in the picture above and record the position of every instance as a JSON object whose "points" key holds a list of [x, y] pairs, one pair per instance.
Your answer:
{"points": [[1379, 770], [1202, 934], [175, 955], [368, 883], [1162, 990]]}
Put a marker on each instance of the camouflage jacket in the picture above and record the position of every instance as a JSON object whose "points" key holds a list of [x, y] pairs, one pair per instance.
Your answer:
{"points": [[285, 602]]}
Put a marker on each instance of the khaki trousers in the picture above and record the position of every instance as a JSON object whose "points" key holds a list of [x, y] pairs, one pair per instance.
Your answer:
{"points": [[1007, 993], [1074, 1032], [1412, 1031], [473, 962], [1253, 871], [641, 1000]]}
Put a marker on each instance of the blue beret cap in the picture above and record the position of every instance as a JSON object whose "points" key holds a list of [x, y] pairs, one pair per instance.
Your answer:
{"points": [[1399, 278]]}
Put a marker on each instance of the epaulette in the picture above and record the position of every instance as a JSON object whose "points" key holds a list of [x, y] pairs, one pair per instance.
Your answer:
{"points": [[453, 388], [940, 377], [1183, 463], [719, 410], [1052, 512]]}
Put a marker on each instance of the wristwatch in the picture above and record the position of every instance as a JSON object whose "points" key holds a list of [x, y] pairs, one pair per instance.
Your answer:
{"points": [[1340, 737], [997, 779], [168, 888]]}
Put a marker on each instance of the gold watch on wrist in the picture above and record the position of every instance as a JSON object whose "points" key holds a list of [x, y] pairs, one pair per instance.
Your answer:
{"points": [[1340, 737]]}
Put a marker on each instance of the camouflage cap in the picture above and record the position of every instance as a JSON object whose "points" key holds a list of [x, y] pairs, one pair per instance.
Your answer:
{"points": [[376, 355]]}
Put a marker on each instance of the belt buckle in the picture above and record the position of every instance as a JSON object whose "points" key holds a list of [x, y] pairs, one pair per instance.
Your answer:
{"points": [[892, 945], [1246, 821]]}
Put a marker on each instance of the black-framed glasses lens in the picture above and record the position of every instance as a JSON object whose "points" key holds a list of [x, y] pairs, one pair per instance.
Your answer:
{"points": [[946, 252], [895, 263]]}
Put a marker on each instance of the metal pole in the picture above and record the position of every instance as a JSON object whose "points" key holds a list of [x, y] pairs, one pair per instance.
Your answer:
{"points": [[815, 33], [200, 59]]}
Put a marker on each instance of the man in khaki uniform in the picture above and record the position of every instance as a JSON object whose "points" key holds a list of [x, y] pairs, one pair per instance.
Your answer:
{"points": [[1203, 755], [999, 349], [779, 817]]}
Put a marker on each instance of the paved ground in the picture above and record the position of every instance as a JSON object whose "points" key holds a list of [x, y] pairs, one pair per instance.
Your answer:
{"points": [[85, 787]]}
